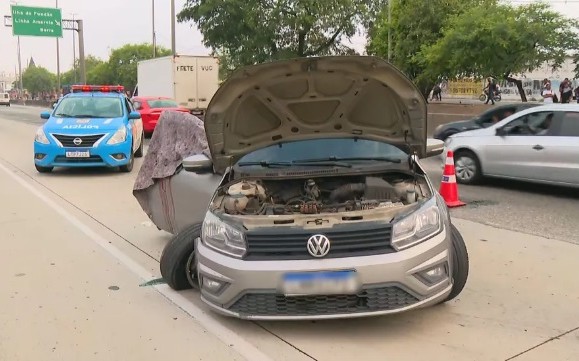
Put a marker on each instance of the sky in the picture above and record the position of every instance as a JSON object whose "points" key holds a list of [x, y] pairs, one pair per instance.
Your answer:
{"points": [[113, 23]]}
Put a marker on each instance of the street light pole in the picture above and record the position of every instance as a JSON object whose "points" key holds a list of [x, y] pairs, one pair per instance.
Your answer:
{"points": [[389, 30], [173, 50], [74, 50], [57, 62], [154, 35], [20, 71]]}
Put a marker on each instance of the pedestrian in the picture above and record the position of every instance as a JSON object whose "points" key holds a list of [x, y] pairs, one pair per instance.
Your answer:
{"points": [[577, 93], [548, 94], [490, 90], [436, 92], [566, 90]]}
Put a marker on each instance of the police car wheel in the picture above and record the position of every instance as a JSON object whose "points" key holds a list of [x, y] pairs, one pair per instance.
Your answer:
{"points": [[43, 169], [139, 152], [129, 166], [178, 259]]}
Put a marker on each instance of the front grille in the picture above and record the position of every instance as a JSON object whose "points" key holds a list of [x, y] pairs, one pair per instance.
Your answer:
{"points": [[87, 140], [347, 240], [91, 159], [369, 300]]}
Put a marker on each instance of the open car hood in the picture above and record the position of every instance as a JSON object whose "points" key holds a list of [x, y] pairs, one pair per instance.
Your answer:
{"points": [[335, 96]]}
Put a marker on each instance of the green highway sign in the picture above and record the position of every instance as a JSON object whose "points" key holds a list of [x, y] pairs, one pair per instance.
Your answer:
{"points": [[34, 21]]}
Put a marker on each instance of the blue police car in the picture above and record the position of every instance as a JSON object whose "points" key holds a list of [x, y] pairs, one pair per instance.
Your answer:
{"points": [[92, 126]]}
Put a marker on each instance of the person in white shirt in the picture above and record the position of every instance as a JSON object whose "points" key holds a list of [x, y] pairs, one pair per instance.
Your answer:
{"points": [[547, 94]]}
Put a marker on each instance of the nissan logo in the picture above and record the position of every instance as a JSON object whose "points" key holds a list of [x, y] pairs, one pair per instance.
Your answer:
{"points": [[318, 245], [77, 141]]}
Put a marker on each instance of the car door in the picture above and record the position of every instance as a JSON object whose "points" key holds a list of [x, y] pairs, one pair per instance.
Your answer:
{"points": [[517, 152], [136, 126], [561, 150]]}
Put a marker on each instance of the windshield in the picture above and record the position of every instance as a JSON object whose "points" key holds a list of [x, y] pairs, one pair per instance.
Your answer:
{"points": [[162, 103], [89, 107], [338, 148]]}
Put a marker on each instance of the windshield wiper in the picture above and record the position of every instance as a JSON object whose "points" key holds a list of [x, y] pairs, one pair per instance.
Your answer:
{"points": [[345, 159], [63, 115], [296, 163], [86, 116]]}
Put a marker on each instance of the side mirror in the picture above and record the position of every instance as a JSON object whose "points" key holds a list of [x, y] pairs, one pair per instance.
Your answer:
{"points": [[198, 163], [434, 147], [134, 115], [45, 115], [501, 131]]}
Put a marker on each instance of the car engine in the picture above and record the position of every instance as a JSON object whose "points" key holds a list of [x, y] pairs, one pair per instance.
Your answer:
{"points": [[319, 195]]}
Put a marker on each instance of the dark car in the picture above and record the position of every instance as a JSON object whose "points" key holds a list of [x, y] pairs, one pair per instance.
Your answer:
{"points": [[482, 120]]}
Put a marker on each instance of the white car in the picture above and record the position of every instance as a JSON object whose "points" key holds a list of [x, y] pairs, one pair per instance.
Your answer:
{"points": [[5, 99], [539, 144]]}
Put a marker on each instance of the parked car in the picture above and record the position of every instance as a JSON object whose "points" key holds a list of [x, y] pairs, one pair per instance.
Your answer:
{"points": [[93, 126], [538, 144], [313, 203], [151, 109], [5, 99], [484, 120]]}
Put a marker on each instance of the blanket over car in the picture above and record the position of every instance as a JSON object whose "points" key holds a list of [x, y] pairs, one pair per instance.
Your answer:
{"points": [[177, 136]]}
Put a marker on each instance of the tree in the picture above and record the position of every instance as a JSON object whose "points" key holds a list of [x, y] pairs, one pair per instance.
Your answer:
{"points": [[502, 41], [122, 65], [255, 31], [415, 24], [37, 79], [73, 75]]}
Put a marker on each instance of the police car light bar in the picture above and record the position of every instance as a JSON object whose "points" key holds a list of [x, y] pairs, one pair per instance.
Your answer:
{"points": [[97, 88]]}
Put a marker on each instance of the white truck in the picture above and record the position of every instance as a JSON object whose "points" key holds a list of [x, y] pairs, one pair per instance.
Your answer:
{"points": [[190, 80]]}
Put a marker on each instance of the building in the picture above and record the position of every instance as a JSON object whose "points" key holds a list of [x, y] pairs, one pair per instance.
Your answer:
{"points": [[6, 81]]}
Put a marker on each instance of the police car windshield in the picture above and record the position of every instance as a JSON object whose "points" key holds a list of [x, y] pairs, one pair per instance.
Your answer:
{"points": [[89, 107]]}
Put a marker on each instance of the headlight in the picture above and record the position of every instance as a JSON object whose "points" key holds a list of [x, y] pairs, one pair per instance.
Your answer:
{"points": [[41, 136], [219, 235], [418, 226], [119, 136]]}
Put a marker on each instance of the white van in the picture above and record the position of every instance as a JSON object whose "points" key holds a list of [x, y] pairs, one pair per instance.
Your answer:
{"points": [[5, 99]]}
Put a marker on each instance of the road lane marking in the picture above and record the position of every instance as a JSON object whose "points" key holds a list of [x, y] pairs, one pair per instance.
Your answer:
{"points": [[226, 335]]}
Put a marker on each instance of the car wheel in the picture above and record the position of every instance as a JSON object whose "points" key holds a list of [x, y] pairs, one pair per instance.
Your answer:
{"points": [[467, 167], [43, 169], [139, 152], [460, 263], [127, 168], [177, 259]]}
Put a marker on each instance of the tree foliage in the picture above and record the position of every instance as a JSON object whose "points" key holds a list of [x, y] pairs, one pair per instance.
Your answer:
{"points": [[37, 79], [73, 75], [121, 67], [502, 40], [254, 31], [414, 25]]}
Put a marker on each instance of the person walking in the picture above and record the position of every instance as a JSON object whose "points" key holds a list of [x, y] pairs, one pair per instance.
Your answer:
{"points": [[566, 90], [490, 89]]}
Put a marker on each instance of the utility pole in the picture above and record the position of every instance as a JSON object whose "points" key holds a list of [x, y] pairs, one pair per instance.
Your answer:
{"points": [[74, 51], [80, 30], [57, 62], [154, 35], [389, 30], [173, 50]]}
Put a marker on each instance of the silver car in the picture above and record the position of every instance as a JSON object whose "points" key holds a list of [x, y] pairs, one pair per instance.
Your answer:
{"points": [[314, 204], [539, 144]]}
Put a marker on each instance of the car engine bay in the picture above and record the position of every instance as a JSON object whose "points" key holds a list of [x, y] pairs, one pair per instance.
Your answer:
{"points": [[320, 195]]}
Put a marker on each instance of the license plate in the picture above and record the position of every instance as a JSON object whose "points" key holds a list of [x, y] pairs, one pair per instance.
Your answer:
{"points": [[320, 283], [78, 154]]}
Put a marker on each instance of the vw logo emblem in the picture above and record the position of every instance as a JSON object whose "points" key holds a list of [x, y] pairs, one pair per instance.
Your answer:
{"points": [[318, 245], [77, 141]]}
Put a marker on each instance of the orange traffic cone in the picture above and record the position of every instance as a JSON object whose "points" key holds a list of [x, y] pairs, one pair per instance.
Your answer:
{"points": [[448, 188]]}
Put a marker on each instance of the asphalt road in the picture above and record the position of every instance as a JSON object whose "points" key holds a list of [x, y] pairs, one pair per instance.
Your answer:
{"points": [[81, 281], [545, 211]]}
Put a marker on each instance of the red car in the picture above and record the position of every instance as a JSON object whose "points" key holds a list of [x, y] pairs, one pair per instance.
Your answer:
{"points": [[151, 109]]}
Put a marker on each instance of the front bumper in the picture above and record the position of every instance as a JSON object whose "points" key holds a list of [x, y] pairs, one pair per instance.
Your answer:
{"points": [[388, 283], [103, 155]]}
